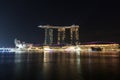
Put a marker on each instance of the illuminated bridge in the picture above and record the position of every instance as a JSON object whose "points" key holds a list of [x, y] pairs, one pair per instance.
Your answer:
{"points": [[7, 49]]}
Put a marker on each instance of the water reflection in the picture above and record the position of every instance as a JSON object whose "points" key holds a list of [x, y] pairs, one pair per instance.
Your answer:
{"points": [[58, 66], [62, 66]]}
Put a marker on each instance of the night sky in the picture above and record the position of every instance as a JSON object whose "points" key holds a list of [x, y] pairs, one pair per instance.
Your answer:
{"points": [[99, 20]]}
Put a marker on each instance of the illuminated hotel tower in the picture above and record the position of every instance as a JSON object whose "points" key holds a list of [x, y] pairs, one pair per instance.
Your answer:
{"points": [[48, 36], [74, 34], [74, 31], [61, 35]]}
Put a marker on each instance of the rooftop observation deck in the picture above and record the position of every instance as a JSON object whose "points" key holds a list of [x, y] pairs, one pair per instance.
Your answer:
{"points": [[57, 27]]}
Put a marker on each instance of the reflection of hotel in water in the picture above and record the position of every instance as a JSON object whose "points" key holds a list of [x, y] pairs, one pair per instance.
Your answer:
{"points": [[60, 57]]}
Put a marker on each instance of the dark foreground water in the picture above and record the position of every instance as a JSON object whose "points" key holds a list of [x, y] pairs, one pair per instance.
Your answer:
{"points": [[57, 66]]}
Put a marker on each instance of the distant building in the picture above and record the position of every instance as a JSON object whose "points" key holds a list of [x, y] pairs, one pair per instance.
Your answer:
{"points": [[22, 45], [61, 37]]}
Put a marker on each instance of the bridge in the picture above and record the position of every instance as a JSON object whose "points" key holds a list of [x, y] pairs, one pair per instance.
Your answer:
{"points": [[2, 50]]}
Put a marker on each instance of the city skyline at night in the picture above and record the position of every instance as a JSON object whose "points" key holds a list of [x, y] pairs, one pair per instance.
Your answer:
{"points": [[98, 20], [59, 40]]}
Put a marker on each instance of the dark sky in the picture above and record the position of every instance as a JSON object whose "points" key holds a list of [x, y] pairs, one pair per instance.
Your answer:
{"points": [[99, 20]]}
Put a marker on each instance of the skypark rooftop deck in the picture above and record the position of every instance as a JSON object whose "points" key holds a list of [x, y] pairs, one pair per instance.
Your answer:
{"points": [[57, 27]]}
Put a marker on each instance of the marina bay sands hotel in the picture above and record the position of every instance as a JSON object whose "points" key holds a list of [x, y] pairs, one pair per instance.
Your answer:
{"points": [[62, 36]]}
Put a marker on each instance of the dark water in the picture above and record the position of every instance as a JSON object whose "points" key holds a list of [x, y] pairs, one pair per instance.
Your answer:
{"points": [[57, 66]]}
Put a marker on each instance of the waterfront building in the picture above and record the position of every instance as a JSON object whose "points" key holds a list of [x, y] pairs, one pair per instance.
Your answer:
{"points": [[61, 34]]}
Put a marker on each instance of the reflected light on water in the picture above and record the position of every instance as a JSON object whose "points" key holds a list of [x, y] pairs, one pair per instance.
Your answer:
{"points": [[58, 66]]}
